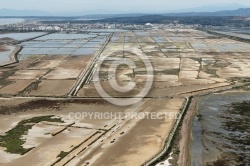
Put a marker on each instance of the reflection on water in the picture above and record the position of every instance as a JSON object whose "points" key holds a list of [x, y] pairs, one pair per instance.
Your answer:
{"points": [[221, 132], [63, 36], [21, 36], [63, 44], [197, 143], [244, 36], [5, 55], [221, 47], [159, 39]]}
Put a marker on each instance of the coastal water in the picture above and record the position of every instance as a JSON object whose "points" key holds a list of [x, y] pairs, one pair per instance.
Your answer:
{"points": [[5, 21], [221, 131], [5, 55]]}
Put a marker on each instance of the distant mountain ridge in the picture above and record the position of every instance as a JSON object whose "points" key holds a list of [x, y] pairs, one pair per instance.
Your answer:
{"points": [[239, 12], [211, 8], [22, 13], [242, 12]]}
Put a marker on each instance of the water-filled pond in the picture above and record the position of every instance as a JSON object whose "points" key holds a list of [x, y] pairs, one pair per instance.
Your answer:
{"points": [[221, 131], [21, 36], [63, 44], [5, 55], [64, 36]]}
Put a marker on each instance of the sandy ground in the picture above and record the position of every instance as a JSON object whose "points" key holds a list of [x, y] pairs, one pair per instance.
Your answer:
{"points": [[188, 74], [189, 64], [15, 87], [38, 134], [164, 78], [234, 72], [53, 88], [6, 157], [135, 138], [75, 62], [47, 147], [184, 144], [62, 74], [27, 74], [90, 91], [45, 64], [166, 162], [183, 89], [184, 62], [133, 135]]}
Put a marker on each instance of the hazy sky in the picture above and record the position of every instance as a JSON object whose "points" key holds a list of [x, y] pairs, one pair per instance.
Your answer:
{"points": [[114, 5]]}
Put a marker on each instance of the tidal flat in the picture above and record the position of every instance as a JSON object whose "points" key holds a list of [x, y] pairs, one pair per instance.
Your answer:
{"points": [[221, 131]]}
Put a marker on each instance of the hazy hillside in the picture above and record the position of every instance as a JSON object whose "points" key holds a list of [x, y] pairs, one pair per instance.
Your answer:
{"points": [[21, 13], [238, 12]]}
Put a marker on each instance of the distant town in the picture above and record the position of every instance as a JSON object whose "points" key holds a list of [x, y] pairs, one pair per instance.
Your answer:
{"points": [[71, 27]]}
